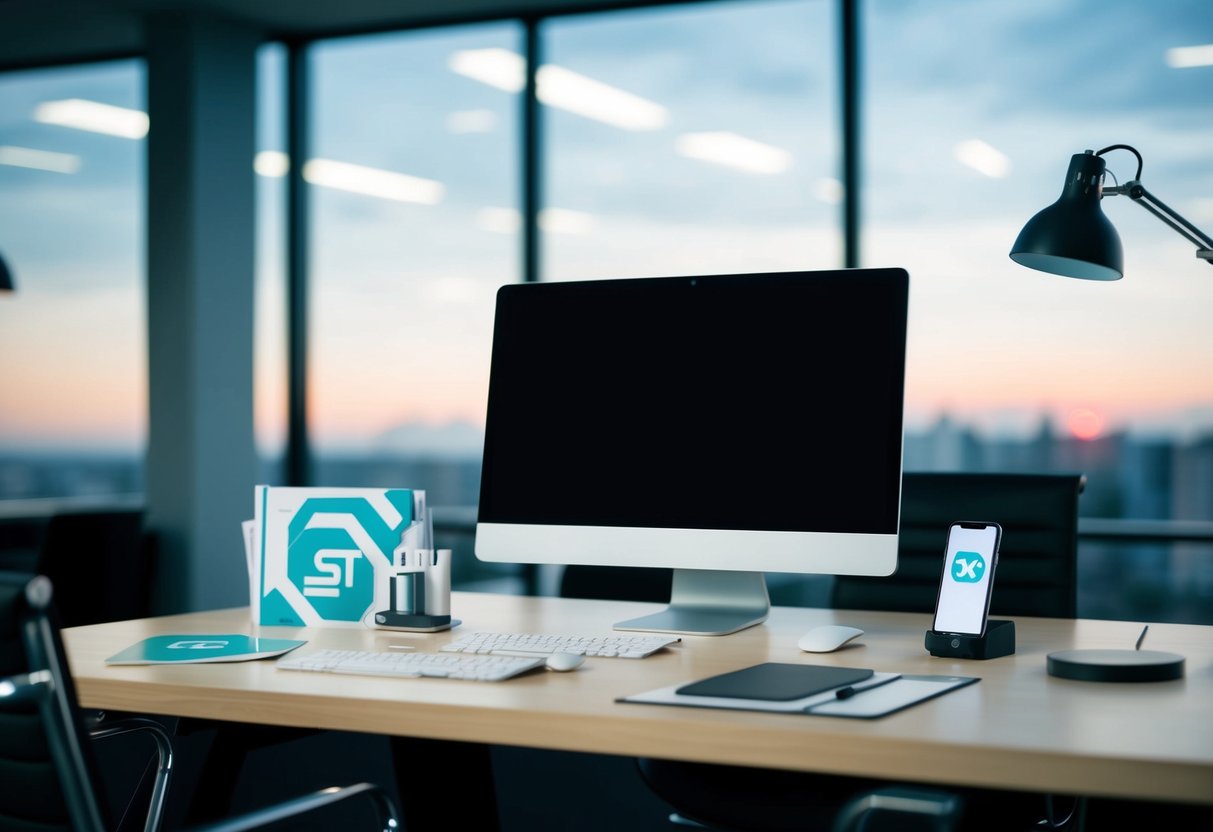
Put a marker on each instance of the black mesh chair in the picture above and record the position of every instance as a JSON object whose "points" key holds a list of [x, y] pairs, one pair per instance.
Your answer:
{"points": [[1038, 560], [1037, 576], [48, 776], [100, 562], [616, 583]]}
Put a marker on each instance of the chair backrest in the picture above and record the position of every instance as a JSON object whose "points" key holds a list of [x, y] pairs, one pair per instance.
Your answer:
{"points": [[100, 563], [47, 772], [1037, 568], [1038, 561], [616, 583]]}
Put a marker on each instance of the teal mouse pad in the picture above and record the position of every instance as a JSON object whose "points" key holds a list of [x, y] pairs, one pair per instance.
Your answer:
{"points": [[775, 681], [192, 648]]}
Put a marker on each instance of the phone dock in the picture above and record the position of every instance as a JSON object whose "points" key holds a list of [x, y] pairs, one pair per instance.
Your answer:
{"points": [[999, 640]]}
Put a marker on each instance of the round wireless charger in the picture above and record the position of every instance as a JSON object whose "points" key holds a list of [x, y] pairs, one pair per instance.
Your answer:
{"points": [[1116, 665]]}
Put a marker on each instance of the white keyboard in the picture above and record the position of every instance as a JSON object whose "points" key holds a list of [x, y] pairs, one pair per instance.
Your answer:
{"points": [[544, 644], [411, 665]]}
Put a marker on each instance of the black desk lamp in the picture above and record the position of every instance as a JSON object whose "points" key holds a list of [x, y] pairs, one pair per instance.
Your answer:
{"points": [[1072, 237], [6, 278]]}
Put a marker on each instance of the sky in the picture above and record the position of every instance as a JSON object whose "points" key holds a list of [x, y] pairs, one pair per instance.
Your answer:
{"points": [[971, 112]]}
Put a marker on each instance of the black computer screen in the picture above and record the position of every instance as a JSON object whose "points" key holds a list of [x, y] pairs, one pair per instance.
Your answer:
{"points": [[758, 401]]}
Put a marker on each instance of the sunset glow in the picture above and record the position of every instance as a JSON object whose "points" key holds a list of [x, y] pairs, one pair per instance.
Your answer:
{"points": [[1085, 424]]}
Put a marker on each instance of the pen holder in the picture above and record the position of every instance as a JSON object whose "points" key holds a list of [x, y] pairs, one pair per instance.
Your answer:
{"points": [[999, 640], [419, 595]]}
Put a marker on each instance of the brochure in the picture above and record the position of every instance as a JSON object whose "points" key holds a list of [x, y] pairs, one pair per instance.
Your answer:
{"points": [[195, 648]]}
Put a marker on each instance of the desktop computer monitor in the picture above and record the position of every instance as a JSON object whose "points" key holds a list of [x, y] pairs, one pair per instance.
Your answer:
{"points": [[724, 426]]}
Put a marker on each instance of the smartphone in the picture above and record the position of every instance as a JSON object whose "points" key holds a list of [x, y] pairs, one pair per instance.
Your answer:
{"points": [[967, 581]]}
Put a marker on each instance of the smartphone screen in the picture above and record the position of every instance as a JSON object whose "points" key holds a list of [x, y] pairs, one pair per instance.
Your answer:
{"points": [[968, 576]]}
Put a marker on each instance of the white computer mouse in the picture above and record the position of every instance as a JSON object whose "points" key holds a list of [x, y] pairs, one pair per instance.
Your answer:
{"points": [[564, 661], [828, 637]]}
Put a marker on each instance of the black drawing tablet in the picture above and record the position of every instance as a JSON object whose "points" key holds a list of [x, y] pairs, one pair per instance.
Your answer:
{"points": [[776, 681]]}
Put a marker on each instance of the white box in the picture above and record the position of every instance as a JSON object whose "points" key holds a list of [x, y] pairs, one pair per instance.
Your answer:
{"points": [[317, 551]]}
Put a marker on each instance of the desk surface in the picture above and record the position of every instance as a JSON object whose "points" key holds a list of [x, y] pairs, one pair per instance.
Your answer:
{"points": [[1017, 728]]}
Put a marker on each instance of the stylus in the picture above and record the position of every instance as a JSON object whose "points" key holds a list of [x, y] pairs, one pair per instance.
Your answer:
{"points": [[851, 690]]}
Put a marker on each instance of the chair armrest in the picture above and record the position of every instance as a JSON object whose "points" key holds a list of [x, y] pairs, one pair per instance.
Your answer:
{"points": [[164, 753], [25, 688], [388, 816]]}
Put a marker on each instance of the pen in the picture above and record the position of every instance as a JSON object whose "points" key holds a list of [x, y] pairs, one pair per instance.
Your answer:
{"points": [[851, 690]]}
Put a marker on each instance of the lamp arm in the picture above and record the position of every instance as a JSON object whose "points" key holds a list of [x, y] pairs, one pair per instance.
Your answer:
{"points": [[1137, 192]]}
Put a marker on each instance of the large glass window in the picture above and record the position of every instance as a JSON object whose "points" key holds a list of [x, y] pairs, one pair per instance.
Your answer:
{"points": [[414, 165], [690, 139], [270, 347], [1013, 369], [73, 382]]}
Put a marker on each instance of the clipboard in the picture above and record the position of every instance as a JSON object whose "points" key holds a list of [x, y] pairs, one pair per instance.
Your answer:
{"points": [[896, 694]]}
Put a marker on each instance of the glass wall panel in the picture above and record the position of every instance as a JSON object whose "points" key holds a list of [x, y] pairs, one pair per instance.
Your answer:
{"points": [[73, 381], [415, 164], [270, 347], [691, 139], [967, 138]]}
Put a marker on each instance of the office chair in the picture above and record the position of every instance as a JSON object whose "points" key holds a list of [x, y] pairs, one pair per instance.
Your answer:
{"points": [[616, 583], [1037, 569], [100, 563], [49, 777], [1038, 563], [1037, 576]]}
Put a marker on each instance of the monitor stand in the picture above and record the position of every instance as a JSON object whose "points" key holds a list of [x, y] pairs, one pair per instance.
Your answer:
{"points": [[708, 603]]}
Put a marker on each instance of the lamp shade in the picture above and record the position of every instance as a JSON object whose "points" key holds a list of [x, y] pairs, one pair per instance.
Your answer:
{"points": [[1072, 237], [6, 277]]}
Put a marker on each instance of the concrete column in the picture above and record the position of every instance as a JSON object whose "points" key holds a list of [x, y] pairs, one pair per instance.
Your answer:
{"points": [[200, 233]]}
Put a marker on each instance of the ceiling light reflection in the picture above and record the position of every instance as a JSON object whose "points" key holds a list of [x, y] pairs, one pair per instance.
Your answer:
{"points": [[385, 184], [28, 157], [983, 158], [561, 88], [1186, 57], [499, 68], [273, 163], [734, 151], [94, 117], [567, 90]]}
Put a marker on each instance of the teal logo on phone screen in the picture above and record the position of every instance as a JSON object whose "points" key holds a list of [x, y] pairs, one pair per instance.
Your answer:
{"points": [[968, 567]]}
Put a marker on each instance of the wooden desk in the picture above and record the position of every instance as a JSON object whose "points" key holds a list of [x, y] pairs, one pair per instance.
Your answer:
{"points": [[1018, 728]]}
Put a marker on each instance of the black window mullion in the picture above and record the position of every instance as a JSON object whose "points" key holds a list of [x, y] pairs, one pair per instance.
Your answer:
{"points": [[849, 52], [298, 450]]}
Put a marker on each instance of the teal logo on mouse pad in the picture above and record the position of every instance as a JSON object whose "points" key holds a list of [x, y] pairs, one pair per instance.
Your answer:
{"points": [[968, 567]]}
